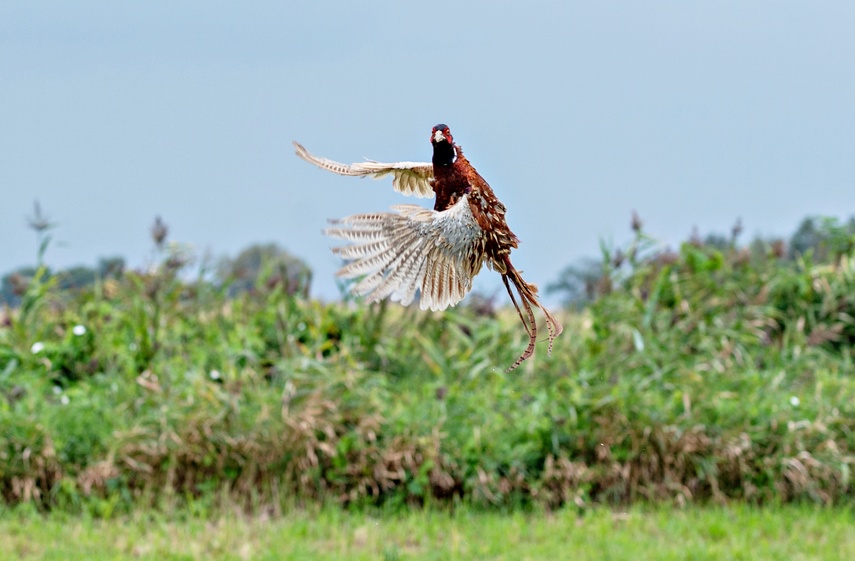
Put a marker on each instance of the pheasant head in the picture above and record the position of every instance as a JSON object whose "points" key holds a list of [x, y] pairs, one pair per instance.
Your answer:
{"points": [[443, 145]]}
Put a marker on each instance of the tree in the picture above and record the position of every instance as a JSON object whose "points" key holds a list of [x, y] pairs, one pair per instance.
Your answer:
{"points": [[826, 238], [111, 267], [579, 284], [14, 285], [265, 265]]}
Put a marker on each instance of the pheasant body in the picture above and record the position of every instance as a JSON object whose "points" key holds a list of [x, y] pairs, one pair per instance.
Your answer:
{"points": [[434, 252]]}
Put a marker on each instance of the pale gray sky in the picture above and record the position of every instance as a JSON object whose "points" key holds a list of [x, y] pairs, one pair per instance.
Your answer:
{"points": [[692, 113]]}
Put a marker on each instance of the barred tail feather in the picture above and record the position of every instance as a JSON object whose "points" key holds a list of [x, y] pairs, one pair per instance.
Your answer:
{"points": [[528, 297]]}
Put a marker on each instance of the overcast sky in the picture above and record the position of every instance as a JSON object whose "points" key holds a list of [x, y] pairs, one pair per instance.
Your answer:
{"points": [[691, 113]]}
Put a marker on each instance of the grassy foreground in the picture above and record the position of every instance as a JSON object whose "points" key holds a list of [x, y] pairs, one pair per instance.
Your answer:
{"points": [[792, 532]]}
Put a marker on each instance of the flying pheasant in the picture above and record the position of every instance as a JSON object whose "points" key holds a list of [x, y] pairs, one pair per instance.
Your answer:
{"points": [[435, 252]]}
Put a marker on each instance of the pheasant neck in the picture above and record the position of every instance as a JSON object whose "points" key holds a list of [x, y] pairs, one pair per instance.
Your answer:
{"points": [[443, 154]]}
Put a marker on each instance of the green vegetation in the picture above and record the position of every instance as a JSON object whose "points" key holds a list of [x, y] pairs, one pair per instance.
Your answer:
{"points": [[716, 373], [661, 534]]}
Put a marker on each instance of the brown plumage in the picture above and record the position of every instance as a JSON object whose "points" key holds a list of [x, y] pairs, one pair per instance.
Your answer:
{"points": [[435, 252]]}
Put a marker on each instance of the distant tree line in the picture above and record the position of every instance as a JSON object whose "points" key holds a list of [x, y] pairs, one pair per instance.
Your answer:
{"points": [[268, 266], [260, 266], [259, 263], [819, 239]]}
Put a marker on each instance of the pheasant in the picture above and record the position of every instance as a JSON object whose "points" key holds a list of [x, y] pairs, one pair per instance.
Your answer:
{"points": [[435, 252]]}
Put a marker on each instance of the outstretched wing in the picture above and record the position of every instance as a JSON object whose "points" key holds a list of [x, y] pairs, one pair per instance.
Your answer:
{"points": [[413, 249], [409, 178]]}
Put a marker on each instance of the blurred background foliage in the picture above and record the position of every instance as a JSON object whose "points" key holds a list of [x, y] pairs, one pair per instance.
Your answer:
{"points": [[716, 371]]}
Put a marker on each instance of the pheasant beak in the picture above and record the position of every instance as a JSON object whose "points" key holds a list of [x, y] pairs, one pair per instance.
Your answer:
{"points": [[438, 136]]}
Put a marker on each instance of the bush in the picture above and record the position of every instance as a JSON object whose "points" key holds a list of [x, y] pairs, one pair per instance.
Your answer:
{"points": [[697, 375]]}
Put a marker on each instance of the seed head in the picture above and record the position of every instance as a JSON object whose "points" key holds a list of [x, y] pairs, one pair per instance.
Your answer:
{"points": [[159, 231], [736, 230], [636, 223], [39, 220], [618, 259]]}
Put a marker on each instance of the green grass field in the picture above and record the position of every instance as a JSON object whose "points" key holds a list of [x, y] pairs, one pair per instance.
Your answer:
{"points": [[740, 533]]}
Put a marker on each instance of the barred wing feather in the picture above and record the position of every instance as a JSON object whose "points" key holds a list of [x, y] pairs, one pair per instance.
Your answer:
{"points": [[409, 178], [413, 249]]}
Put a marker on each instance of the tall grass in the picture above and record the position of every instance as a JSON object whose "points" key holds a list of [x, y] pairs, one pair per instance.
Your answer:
{"points": [[698, 375]]}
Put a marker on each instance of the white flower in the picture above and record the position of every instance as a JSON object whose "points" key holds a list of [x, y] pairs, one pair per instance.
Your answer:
{"points": [[79, 330], [132, 347], [214, 374], [37, 347], [64, 399], [795, 401], [57, 390]]}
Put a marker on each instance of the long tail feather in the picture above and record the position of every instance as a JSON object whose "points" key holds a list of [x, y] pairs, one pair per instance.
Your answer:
{"points": [[530, 326], [528, 297]]}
